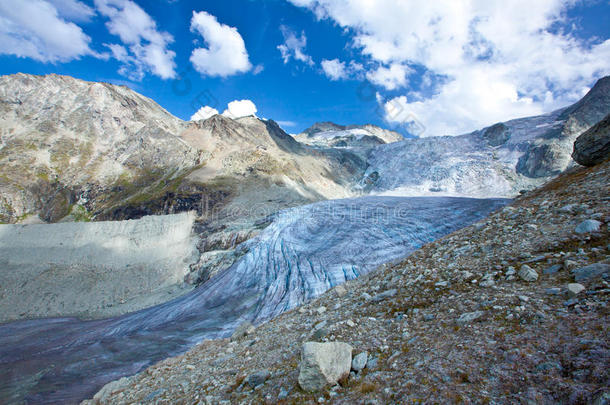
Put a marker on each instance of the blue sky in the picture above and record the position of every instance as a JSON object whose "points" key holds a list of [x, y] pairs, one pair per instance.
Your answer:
{"points": [[425, 69]]}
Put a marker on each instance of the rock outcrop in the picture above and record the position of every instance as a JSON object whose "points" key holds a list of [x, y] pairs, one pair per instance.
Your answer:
{"points": [[593, 146]]}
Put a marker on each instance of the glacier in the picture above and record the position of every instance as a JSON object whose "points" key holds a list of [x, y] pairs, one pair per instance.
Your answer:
{"points": [[303, 252]]}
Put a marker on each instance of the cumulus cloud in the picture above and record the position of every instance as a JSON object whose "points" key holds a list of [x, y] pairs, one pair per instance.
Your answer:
{"points": [[487, 60], [240, 108], [204, 113], [36, 29], [144, 49], [335, 69], [294, 47], [225, 54], [391, 78]]}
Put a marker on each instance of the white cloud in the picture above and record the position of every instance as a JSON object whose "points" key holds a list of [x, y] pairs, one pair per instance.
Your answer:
{"points": [[204, 113], [334, 69], [226, 53], [284, 124], [73, 10], [391, 78], [35, 29], [240, 108], [489, 60], [294, 47], [148, 47]]}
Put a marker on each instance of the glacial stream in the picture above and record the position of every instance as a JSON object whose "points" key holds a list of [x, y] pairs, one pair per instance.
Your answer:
{"points": [[302, 253]]}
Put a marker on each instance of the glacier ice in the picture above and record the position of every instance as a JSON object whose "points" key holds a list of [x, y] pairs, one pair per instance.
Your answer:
{"points": [[302, 253]]}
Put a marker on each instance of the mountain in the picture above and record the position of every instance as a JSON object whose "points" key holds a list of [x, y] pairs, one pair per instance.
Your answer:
{"points": [[76, 150], [500, 160], [328, 134]]}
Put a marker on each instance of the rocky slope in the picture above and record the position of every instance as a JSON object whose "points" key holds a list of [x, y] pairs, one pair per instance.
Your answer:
{"points": [[119, 266], [500, 160], [328, 134], [513, 309]]}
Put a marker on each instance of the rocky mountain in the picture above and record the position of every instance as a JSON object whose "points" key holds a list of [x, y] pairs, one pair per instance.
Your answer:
{"points": [[73, 150], [500, 160], [328, 134]]}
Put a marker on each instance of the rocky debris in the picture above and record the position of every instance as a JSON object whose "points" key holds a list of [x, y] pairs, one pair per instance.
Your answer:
{"points": [[593, 146], [526, 273], [591, 271], [546, 347], [244, 329], [324, 364], [575, 288], [359, 361], [258, 378], [590, 225]]}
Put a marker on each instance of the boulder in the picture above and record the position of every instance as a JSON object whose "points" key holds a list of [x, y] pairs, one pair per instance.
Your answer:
{"points": [[591, 271], [324, 364], [469, 317], [258, 378], [575, 288], [593, 146], [359, 361], [527, 273], [590, 225]]}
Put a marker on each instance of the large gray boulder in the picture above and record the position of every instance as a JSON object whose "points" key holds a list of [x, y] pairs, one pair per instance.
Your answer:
{"points": [[324, 364], [593, 146]]}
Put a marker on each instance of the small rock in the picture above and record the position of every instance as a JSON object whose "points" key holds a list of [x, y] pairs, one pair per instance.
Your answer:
{"points": [[469, 317], [526, 273], [283, 393], [359, 362], [510, 271], [324, 364], [590, 225], [553, 291], [569, 264], [321, 310], [366, 296], [429, 317], [591, 271], [340, 290], [487, 283], [243, 330], [575, 288], [258, 378], [384, 295], [350, 323]]}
